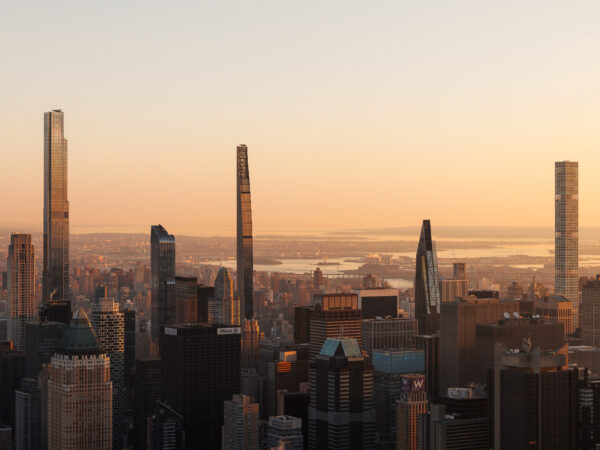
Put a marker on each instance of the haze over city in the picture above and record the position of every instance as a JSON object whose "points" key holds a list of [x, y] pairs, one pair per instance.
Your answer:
{"points": [[403, 111]]}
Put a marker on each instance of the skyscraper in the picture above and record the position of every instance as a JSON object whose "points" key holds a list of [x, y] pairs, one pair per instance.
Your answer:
{"points": [[224, 307], [285, 432], [341, 414], [200, 370], [79, 404], [245, 265], [55, 275], [162, 269], [566, 227], [240, 423], [251, 337], [109, 325], [412, 403], [427, 283], [27, 415], [590, 312], [21, 287]]}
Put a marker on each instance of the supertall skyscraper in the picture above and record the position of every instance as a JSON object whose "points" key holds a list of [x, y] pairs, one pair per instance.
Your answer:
{"points": [[566, 228], [245, 265], [55, 275], [21, 287], [162, 271], [427, 283]]}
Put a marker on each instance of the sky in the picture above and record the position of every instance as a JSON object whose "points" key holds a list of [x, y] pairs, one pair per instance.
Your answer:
{"points": [[356, 114]]}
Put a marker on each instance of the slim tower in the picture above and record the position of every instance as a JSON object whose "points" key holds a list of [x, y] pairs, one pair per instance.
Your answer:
{"points": [[245, 266], [21, 287], [427, 284], [55, 275], [162, 268], [566, 227]]}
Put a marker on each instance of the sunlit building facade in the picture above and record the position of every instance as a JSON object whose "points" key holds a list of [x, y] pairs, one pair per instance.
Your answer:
{"points": [[21, 288], [245, 265], [566, 227], [427, 283], [55, 275]]}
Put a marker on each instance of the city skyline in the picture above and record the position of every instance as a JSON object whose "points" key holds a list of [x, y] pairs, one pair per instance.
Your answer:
{"points": [[343, 110]]}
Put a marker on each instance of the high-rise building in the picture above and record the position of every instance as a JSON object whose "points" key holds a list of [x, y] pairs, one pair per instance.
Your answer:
{"points": [[224, 307], [383, 334], [109, 326], [511, 333], [555, 308], [240, 423], [245, 255], [459, 271], [205, 293], [284, 433], [162, 270], [378, 302], [430, 344], [334, 315], [21, 287], [341, 414], [590, 313], [251, 337], [27, 415], [458, 356], [588, 411], [411, 404], [186, 299], [302, 324], [147, 390], [427, 283], [41, 342], [56, 311], [12, 369], [533, 400], [128, 311], [514, 291], [79, 390], [200, 370], [566, 227], [450, 290], [6, 439], [165, 429], [55, 275]]}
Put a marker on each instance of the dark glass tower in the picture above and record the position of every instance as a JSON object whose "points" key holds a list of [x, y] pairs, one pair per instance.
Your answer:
{"points": [[55, 275], [162, 268], [427, 283], [245, 266]]}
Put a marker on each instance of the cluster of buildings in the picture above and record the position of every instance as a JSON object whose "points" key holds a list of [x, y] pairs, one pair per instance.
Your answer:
{"points": [[270, 361]]}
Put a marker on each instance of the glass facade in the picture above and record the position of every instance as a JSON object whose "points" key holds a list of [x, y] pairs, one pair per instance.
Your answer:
{"points": [[566, 240], [162, 271], [245, 265], [427, 284], [55, 275]]}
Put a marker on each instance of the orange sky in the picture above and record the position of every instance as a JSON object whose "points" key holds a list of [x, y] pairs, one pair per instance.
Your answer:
{"points": [[362, 116]]}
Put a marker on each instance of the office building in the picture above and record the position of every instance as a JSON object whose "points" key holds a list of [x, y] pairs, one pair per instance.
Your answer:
{"points": [[240, 423], [205, 293], [128, 311], [459, 271], [27, 415], [147, 390], [458, 356], [251, 337], [430, 344], [109, 325], [388, 333], [55, 274], [534, 401], [450, 290], [566, 227], [590, 312], [555, 308], [6, 439], [21, 287], [56, 311], [511, 333], [79, 391], [514, 291], [165, 429], [302, 324], [12, 369], [427, 283], [287, 371], [588, 411], [285, 433], [186, 299], [411, 404], [41, 342], [162, 277], [245, 264], [334, 315], [200, 370], [341, 414], [224, 307], [378, 302]]}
